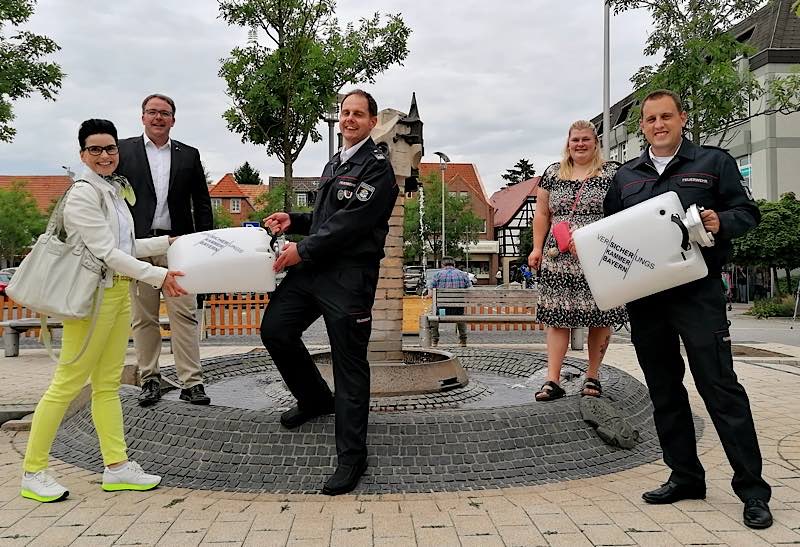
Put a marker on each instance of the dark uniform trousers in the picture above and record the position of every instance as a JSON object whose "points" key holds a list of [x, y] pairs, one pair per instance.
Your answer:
{"points": [[344, 298], [695, 312]]}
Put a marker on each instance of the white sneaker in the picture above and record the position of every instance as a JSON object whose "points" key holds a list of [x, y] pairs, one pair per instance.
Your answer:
{"points": [[40, 486], [130, 477]]}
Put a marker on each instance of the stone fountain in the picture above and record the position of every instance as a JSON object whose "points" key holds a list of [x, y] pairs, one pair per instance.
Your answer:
{"points": [[394, 370]]}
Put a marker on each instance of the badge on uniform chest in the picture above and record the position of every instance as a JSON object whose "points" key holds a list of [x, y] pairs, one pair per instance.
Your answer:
{"points": [[344, 194]]}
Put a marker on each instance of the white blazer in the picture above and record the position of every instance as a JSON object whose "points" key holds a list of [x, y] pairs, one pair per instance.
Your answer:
{"points": [[85, 219]]}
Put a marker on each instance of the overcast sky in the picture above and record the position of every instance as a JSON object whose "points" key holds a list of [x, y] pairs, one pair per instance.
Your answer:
{"points": [[495, 81]]}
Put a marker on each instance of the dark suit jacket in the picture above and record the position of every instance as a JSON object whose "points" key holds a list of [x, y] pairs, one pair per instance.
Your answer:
{"points": [[188, 200]]}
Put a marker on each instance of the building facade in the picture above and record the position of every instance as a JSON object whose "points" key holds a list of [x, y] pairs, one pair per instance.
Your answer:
{"points": [[767, 147], [463, 179], [514, 209]]}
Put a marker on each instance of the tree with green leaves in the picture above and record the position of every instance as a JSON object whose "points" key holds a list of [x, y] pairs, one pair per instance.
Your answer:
{"points": [[702, 63], [775, 242], [523, 170], [796, 8], [245, 174], [21, 70], [20, 221], [281, 88], [461, 224], [222, 218]]}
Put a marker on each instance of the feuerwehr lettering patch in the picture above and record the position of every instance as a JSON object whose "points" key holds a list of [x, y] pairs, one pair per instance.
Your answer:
{"points": [[364, 191]]}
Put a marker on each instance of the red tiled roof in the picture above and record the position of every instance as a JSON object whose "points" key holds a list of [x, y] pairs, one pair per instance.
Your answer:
{"points": [[252, 191], [509, 200], [45, 188], [465, 171], [226, 187]]}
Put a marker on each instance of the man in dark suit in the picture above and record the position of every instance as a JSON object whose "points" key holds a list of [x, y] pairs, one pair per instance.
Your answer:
{"points": [[171, 198]]}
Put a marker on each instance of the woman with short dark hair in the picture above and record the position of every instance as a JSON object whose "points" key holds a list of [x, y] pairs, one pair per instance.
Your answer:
{"points": [[95, 213]]}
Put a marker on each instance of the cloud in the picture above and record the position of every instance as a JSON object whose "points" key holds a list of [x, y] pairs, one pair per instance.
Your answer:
{"points": [[495, 81]]}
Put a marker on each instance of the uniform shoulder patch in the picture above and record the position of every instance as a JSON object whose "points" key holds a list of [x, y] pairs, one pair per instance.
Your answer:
{"points": [[378, 153], [364, 191]]}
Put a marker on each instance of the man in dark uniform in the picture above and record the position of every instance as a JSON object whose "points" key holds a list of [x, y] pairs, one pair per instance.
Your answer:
{"points": [[334, 273], [694, 312]]}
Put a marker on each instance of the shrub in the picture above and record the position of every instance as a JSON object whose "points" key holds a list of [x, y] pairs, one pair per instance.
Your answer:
{"points": [[779, 306]]}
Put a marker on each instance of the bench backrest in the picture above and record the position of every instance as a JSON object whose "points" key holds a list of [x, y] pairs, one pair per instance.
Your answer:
{"points": [[485, 297], [489, 301]]}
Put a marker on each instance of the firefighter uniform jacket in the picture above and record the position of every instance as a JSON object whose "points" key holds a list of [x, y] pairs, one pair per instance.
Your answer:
{"points": [[350, 221], [704, 175]]}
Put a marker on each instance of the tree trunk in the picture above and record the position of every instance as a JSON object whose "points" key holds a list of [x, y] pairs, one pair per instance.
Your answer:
{"points": [[287, 181], [789, 285], [775, 282]]}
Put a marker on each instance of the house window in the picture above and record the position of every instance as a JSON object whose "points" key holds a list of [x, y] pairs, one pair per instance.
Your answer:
{"points": [[216, 202], [463, 194], [236, 205], [302, 200], [623, 152], [483, 226], [614, 154]]}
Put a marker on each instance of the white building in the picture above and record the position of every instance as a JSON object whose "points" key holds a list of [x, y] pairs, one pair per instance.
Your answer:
{"points": [[767, 148]]}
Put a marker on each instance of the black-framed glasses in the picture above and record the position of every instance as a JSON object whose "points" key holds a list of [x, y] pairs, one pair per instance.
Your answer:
{"points": [[153, 113], [111, 150]]}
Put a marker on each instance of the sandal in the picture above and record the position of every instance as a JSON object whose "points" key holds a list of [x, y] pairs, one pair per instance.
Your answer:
{"points": [[550, 392], [591, 388]]}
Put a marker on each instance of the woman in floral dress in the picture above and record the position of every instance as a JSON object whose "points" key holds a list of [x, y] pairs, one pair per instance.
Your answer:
{"points": [[571, 190]]}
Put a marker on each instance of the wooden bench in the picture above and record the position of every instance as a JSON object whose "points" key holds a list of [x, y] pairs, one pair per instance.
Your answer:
{"points": [[486, 306]]}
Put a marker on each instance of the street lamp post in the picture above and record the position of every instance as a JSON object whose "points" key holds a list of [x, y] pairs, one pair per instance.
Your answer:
{"points": [[606, 83], [443, 161], [332, 118]]}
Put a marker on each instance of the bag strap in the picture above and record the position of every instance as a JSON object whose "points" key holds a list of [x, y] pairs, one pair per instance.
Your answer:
{"points": [[577, 198], [45, 336], [47, 339]]}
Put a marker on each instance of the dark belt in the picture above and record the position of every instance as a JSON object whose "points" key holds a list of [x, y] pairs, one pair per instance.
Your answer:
{"points": [[156, 233]]}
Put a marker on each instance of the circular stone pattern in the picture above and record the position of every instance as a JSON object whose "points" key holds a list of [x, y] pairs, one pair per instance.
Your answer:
{"points": [[429, 446]]}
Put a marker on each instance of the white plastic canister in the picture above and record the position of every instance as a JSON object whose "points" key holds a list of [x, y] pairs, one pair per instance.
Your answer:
{"points": [[224, 260], [638, 252]]}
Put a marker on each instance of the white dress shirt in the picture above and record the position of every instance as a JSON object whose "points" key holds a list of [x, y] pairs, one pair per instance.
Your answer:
{"points": [[160, 160], [348, 153]]}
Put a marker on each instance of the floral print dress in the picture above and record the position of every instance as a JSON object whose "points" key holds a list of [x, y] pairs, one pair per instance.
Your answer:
{"points": [[564, 297]]}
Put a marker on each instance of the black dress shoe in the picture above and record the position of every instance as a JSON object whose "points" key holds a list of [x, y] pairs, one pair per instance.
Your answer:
{"points": [[151, 392], [757, 514], [344, 479], [295, 417], [670, 492], [195, 395]]}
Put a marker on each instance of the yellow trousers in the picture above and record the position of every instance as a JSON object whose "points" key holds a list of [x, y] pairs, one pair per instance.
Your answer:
{"points": [[102, 364]]}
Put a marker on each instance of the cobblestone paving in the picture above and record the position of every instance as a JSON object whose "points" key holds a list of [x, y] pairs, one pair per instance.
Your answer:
{"points": [[417, 449], [602, 510]]}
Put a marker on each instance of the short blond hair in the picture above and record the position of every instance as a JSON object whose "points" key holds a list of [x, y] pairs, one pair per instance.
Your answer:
{"points": [[567, 166]]}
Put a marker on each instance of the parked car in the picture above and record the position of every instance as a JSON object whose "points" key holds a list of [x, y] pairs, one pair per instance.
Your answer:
{"points": [[9, 271], [5, 278]]}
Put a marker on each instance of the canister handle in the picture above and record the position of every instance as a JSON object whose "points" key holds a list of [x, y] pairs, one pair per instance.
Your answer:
{"points": [[676, 219]]}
